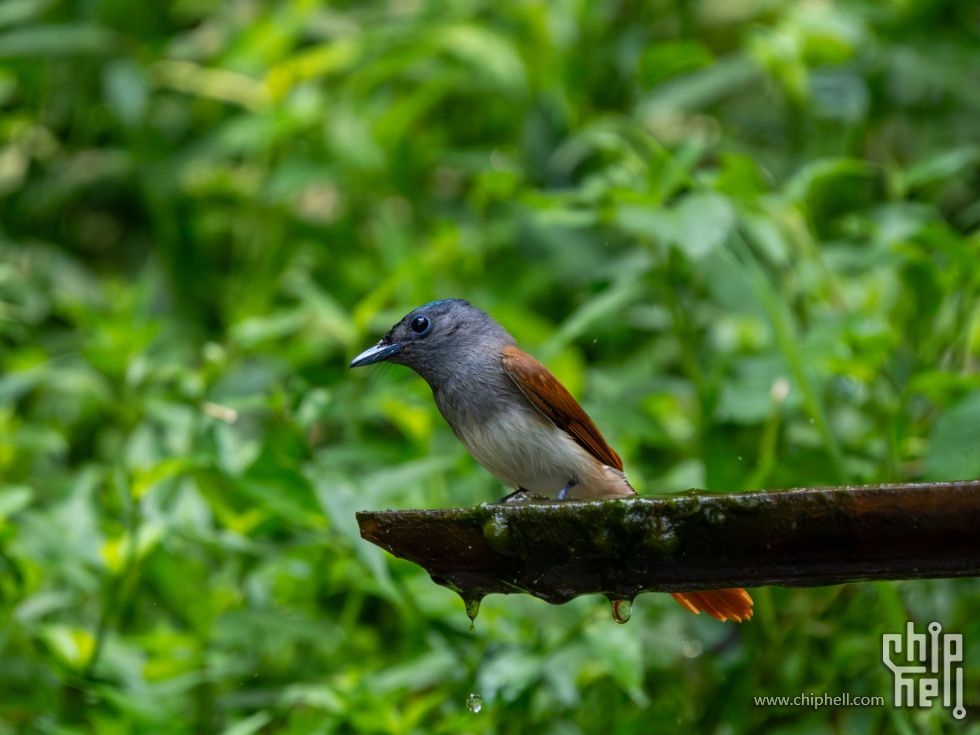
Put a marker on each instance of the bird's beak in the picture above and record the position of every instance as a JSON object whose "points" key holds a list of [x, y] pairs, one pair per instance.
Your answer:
{"points": [[376, 354]]}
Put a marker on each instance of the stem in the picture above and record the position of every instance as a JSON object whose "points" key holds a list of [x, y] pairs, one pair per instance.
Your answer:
{"points": [[117, 585], [788, 341]]}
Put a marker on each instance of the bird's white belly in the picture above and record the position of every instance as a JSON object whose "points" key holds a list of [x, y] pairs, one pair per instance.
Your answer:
{"points": [[523, 449]]}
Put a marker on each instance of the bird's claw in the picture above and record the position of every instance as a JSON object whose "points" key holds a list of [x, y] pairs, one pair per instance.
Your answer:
{"points": [[518, 496]]}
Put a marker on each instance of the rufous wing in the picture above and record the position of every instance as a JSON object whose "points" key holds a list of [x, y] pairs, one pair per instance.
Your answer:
{"points": [[552, 399]]}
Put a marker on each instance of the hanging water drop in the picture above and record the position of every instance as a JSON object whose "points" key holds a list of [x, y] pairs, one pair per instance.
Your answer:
{"points": [[622, 610], [472, 603], [474, 703]]}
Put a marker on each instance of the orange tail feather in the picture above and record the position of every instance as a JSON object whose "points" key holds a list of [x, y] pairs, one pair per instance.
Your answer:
{"points": [[721, 604]]}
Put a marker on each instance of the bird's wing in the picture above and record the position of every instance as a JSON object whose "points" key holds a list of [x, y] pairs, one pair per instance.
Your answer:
{"points": [[550, 398], [553, 401]]}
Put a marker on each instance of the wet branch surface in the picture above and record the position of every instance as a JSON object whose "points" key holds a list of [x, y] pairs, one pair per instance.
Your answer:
{"points": [[807, 537]]}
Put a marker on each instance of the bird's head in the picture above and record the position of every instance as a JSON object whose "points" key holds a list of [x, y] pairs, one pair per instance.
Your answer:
{"points": [[438, 339]]}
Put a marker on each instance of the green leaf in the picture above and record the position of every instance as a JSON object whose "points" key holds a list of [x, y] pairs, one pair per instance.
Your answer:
{"points": [[942, 167], [954, 442], [126, 91], [249, 725], [57, 40], [13, 499], [699, 89]]}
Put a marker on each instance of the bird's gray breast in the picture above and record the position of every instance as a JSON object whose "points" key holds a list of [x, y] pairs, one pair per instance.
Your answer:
{"points": [[510, 438], [475, 397]]}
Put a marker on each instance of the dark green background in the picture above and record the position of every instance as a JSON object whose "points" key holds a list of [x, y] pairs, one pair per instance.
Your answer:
{"points": [[744, 234]]}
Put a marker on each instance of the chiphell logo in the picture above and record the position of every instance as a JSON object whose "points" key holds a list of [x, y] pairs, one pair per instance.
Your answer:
{"points": [[940, 656]]}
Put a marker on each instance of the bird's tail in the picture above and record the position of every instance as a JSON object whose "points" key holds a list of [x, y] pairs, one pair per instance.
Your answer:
{"points": [[722, 604]]}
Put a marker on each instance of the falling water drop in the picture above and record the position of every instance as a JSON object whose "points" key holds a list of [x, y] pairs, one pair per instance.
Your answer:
{"points": [[622, 610], [474, 703], [692, 648]]}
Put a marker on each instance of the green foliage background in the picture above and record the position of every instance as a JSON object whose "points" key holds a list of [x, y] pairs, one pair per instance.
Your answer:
{"points": [[744, 234]]}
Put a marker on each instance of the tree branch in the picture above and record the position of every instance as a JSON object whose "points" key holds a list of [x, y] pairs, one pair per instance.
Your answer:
{"points": [[807, 537]]}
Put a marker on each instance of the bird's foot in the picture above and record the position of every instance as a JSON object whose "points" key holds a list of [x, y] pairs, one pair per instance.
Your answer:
{"points": [[563, 493], [518, 496]]}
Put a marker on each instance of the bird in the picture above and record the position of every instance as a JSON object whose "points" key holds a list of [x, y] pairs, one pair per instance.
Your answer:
{"points": [[515, 417]]}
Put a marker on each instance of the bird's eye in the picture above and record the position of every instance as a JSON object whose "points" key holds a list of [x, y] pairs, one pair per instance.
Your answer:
{"points": [[420, 325]]}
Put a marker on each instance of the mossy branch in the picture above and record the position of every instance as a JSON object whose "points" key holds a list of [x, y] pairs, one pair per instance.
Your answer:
{"points": [[806, 537]]}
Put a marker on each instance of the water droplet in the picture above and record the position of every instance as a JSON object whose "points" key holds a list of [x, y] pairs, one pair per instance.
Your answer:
{"points": [[780, 390], [714, 514], [472, 603], [474, 703], [497, 533], [622, 610], [692, 649]]}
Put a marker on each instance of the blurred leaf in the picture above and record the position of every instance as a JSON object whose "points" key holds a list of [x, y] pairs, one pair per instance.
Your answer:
{"points": [[748, 397], [486, 53], [249, 725], [740, 177], [697, 226], [699, 89], [943, 166], [616, 649], [425, 671], [60, 40], [72, 646], [504, 676], [954, 440], [126, 91], [13, 499], [218, 84], [820, 175], [19, 11], [667, 59]]}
